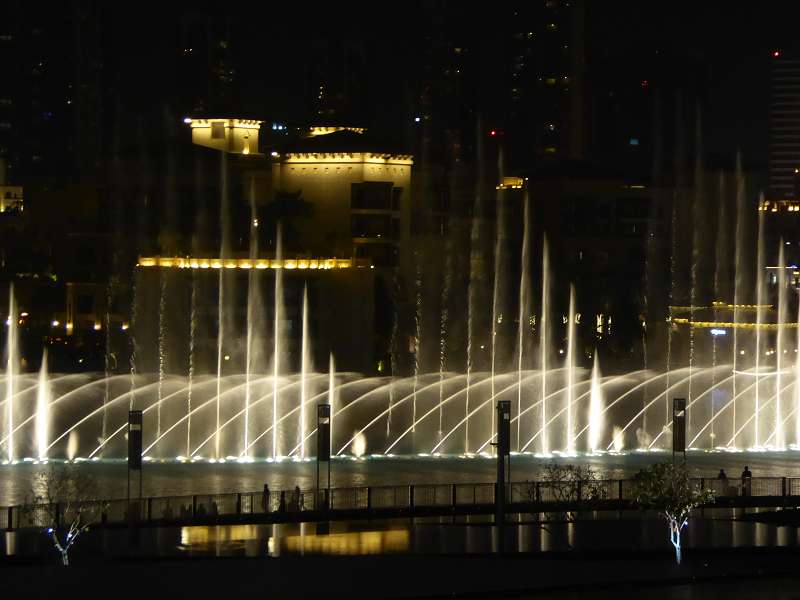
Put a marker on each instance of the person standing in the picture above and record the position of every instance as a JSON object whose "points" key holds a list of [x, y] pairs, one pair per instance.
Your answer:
{"points": [[265, 499], [723, 482], [747, 481]]}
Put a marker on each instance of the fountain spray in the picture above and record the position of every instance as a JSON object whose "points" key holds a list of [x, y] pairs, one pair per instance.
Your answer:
{"points": [[42, 409], [11, 366], [523, 310], [596, 407], [759, 318], [779, 347], [276, 337], [304, 368], [570, 437], [543, 341]]}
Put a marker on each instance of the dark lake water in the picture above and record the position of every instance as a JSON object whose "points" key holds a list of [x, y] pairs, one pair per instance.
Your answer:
{"points": [[167, 479], [423, 536]]}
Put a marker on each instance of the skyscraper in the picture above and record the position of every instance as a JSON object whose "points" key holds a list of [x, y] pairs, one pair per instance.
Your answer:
{"points": [[543, 77], [784, 126]]}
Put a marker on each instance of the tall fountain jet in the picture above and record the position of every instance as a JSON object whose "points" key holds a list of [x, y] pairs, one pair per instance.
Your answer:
{"points": [[11, 367], [738, 283], [543, 342], [253, 309], [277, 339], [760, 266], [332, 391], [596, 407], [223, 254], [417, 336], [162, 340], [42, 409], [497, 314], [780, 347], [305, 368], [522, 323], [570, 431], [190, 386]]}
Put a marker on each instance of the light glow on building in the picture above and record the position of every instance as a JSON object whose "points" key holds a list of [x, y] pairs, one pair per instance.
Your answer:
{"points": [[235, 136], [730, 325], [349, 157], [166, 262], [325, 130], [511, 183]]}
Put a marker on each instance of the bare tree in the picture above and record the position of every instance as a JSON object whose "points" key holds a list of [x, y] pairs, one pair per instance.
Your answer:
{"points": [[668, 489], [63, 501], [567, 484]]}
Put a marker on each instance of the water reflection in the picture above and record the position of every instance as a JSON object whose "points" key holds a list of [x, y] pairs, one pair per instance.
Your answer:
{"points": [[345, 544], [431, 536]]}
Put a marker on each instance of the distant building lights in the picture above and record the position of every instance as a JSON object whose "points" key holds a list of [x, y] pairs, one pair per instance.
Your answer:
{"points": [[97, 326], [776, 54], [274, 154], [125, 327], [633, 142], [645, 83], [717, 332], [23, 314], [187, 120], [493, 132], [417, 119], [55, 323]]}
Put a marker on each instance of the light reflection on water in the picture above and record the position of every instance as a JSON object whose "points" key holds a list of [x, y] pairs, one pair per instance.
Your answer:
{"points": [[176, 479], [476, 537], [420, 537], [345, 544]]}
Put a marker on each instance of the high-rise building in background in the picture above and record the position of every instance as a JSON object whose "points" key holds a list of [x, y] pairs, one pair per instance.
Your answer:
{"points": [[784, 126], [520, 70], [542, 84], [205, 63], [781, 203], [51, 96]]}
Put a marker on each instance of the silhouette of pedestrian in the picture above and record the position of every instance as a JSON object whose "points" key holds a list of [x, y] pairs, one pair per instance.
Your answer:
{"points": [[723, 482], [265, 499], [747, 481], [294, 500]]}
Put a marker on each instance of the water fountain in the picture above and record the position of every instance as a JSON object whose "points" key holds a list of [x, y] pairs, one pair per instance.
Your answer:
{"points": [[250, 406]]}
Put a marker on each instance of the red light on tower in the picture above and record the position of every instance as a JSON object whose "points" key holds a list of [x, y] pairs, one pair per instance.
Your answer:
{"points": [[776, 54], [493, 132], [645, 83]]}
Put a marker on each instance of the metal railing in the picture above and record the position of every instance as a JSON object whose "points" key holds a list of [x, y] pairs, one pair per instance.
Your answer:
{"points": [[403, 499]]}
